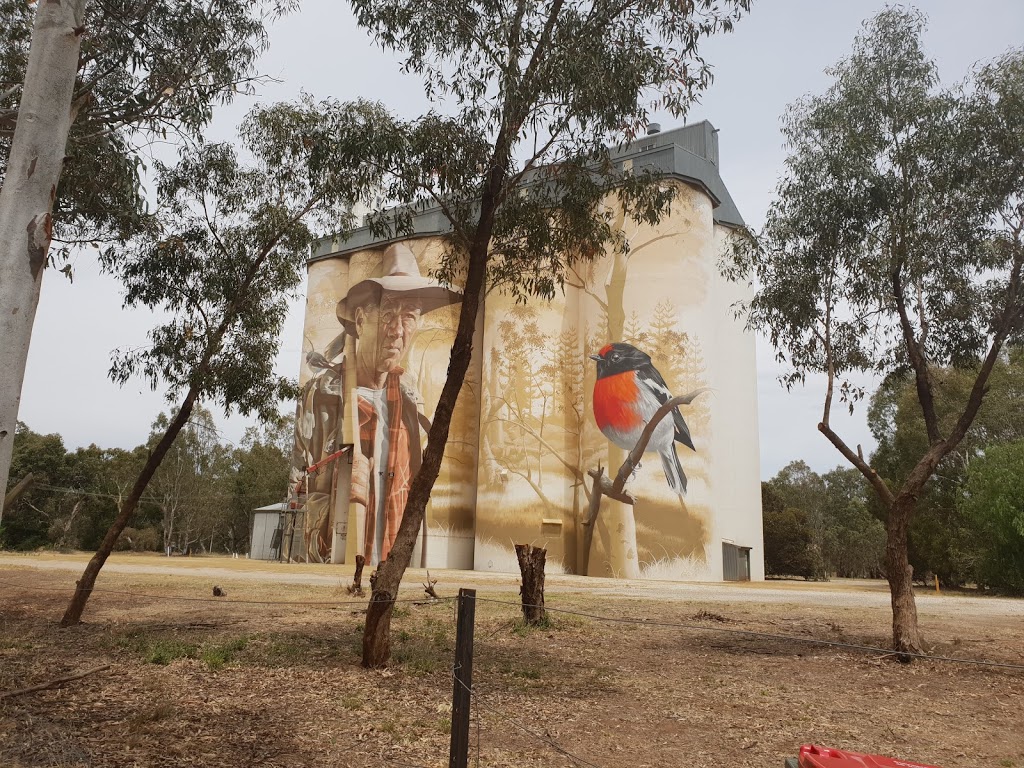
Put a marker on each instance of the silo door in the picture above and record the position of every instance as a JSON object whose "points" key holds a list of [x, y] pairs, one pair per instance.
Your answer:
{"points": [[744, 563], [735, 562]]}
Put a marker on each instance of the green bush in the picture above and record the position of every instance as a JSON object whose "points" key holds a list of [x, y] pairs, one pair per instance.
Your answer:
{"points": [[787, 543], [993, 501]]}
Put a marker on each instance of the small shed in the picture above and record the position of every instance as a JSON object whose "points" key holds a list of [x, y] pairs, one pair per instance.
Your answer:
{"points": [[266, 531], [735, 562]]}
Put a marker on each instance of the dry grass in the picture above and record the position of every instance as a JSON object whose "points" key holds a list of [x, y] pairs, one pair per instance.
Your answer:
{"points": [[226, 683]]}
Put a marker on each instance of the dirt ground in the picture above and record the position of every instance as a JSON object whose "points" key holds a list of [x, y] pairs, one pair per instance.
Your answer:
{"points": [[275, 680]]}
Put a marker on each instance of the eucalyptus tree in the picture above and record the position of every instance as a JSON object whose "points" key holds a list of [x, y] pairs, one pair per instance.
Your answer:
{"points": [[220, 258], [261, 467], [529, 96], [85, 87], [894, 245], [191, 482], [941, 539]]}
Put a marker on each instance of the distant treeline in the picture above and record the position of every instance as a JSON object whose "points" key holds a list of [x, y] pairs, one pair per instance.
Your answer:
{"points": [[199, 500], [969, 529]]}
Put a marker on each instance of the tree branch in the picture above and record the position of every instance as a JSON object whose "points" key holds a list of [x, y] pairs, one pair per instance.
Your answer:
{"points": [[52, 683], [918, 360], [858, 461]]}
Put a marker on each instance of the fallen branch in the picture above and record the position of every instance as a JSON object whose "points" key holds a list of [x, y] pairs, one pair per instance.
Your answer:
{"points": [[52, 683], [429, 587]]}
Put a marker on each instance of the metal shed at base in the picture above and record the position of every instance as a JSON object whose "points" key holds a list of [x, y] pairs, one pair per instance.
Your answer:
{"points": [[735, 562], [266, 530]]}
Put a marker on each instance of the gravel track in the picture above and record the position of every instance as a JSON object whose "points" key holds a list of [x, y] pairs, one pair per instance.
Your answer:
{"points": [[846, 593]]}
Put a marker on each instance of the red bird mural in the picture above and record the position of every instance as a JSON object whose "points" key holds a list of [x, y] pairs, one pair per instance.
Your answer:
{"points": [[627, 393]]}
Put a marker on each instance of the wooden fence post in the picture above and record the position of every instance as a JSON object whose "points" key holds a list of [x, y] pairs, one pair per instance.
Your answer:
{"points": [[458, 755]]}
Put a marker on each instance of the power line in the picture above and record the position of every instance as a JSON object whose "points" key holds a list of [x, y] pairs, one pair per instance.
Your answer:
{"points": [[761, 635]]}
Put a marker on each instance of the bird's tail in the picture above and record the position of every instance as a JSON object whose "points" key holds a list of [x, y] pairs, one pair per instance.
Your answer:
{"points": [[673, 470]]}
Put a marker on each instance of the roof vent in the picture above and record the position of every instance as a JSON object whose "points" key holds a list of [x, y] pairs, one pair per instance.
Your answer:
{"points": [[653, 128]]}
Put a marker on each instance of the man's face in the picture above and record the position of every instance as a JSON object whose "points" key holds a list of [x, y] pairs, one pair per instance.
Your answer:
{"points": [[384, 332]]}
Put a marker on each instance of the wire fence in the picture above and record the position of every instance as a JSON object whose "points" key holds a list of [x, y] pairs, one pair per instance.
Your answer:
{"points": [[760, 635], [639, 621], [191, 599], [481, 702]]}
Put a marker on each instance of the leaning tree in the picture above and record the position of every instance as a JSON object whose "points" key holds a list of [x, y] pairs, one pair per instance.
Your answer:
{"points": [[529, 96], [86, 86], [894, 246], [220, 257]]}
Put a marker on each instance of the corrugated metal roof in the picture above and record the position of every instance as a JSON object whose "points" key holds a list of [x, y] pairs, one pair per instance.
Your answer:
{"points": [[281, 506], [688, 153]]}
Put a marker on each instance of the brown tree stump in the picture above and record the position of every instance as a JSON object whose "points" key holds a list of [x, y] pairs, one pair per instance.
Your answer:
{"points": [[356, 587], [531, 566]]}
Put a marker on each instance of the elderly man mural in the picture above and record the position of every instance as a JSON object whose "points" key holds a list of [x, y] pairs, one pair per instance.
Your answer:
{"points": [[384, 314]]}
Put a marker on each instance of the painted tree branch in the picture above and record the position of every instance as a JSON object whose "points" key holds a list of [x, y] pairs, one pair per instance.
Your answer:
{"points": [[604, 486], [645, 437]]}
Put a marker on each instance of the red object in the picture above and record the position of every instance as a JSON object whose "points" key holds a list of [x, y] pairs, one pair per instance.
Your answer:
{"points": [[813, 756]]}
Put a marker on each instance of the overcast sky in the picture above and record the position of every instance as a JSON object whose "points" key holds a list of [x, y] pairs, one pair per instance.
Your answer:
{"points": [[775, 55]]}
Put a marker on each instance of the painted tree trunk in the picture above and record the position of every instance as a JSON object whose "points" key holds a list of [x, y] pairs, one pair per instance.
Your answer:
{"points": [[73, 615], [617, 521], [26, 199], [900, 574]]}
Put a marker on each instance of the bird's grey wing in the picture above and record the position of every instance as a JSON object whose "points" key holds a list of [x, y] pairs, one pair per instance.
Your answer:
{"points": [[657, 386]]}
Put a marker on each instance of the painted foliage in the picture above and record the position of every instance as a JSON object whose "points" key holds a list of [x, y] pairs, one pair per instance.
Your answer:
{"points": [[542, 405]]}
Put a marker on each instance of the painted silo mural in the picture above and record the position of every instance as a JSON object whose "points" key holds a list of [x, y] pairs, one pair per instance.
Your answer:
{"points": [[556, 390], [570, 384], [378, 335]]}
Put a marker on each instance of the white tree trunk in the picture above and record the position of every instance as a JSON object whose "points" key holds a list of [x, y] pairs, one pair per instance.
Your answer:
{"points": [[26, 199]]}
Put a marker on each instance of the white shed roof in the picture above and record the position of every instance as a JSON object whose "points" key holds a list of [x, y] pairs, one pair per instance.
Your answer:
{"points": [[281, 506]]}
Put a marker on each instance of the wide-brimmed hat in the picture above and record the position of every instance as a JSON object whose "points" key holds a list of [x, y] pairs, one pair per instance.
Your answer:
{"points": [[401, 275]]}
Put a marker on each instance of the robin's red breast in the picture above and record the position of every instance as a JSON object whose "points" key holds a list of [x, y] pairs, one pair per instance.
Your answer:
{"points": [[627, 393]]}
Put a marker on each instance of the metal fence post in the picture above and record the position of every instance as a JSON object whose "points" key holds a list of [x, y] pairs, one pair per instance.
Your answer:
{"points": [[463, 683]]}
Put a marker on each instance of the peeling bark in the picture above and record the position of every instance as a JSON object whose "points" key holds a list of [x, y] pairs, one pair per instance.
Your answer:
{"points": [[26, 199], [531, 567]]}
